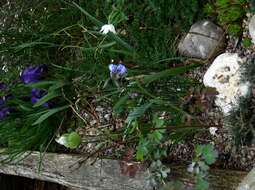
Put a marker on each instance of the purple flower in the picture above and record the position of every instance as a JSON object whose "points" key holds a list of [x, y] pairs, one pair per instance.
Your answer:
{"points": [[2, 85], [4, 112], [133, 95], [32, 74], [117, 71], [35, 99], [37, 94], [2, 101]]}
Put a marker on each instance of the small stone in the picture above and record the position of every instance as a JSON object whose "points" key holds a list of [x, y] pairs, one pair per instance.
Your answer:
{"points": [[203, 41], [213, 130], [107, 117], [99, 109], [93, 122]]}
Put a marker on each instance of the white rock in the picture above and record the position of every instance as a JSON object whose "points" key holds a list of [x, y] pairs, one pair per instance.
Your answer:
{"points": [[252, 28], [213, 131], [224, 75]]}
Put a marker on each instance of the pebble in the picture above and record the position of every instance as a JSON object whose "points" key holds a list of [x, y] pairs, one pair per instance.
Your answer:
{"points": [[99, 109]]}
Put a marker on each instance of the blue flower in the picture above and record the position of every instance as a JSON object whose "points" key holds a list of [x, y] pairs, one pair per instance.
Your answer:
{"points": [[2, 85], [37, 94], [2, 101], [4, 112], [118, 70], [32, 74], [35, 99]]}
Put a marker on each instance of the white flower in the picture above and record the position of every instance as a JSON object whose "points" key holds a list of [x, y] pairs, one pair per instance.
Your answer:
{"points": [[213, 130], [108, 28]]}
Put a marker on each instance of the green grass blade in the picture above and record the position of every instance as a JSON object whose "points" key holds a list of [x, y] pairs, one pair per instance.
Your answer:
{"points": [[122, 101], [42, 84], [138, 112], [48, 114], [120, 41], [32, 44], [93, 19], [47, 98], [169, 72]]}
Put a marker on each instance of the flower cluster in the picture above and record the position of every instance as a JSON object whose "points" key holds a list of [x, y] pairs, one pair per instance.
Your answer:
{"points": [[33, 74], [117, 71]]}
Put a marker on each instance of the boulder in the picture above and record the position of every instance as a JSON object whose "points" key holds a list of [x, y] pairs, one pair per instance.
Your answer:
{"points": [[203, 41], [224, 75]]}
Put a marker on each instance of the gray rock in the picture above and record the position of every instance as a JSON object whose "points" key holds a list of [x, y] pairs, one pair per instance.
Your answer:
{"points": [[252, 28], [204, 40], [248, 182]]}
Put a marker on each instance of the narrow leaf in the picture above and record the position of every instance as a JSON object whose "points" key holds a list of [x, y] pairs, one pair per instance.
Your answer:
{"points": [[138, 112], [169, 72], [56, 86], [42, 84], [117, 106], [93, 19], [48, 114], [120, 41], [47, 98]]}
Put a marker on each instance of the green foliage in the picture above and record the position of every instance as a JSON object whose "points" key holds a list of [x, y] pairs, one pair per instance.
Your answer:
{"points": [[229, 14], [241, 120], [205, 155], [252, 6], [32, 126], [246, 42], [150, 143]]}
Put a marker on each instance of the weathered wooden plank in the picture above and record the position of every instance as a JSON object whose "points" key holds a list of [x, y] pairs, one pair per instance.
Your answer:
{"points": [[218, 179], [105, 174], [61, 168]]}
